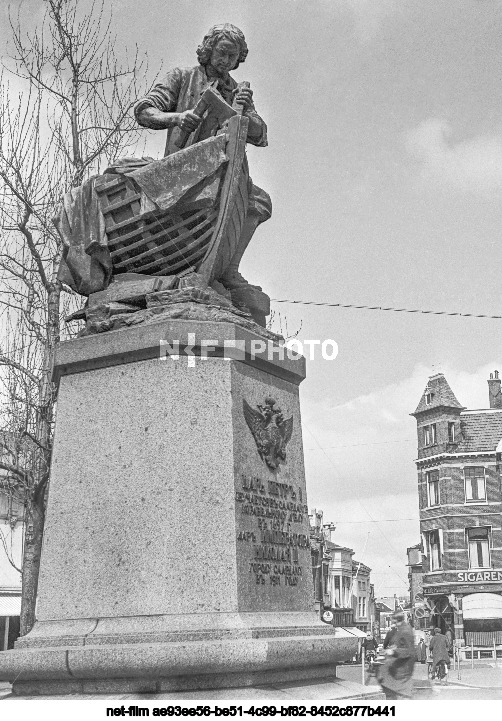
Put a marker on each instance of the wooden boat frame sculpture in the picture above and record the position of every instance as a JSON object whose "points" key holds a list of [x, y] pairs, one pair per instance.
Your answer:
{"points": [[182, 239]]}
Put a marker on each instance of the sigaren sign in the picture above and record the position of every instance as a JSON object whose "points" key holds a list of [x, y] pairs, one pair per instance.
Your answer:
{"points": [[479, 576]]}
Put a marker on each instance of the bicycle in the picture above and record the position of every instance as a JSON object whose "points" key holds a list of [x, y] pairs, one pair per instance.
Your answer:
{"points": [[440, 674]]}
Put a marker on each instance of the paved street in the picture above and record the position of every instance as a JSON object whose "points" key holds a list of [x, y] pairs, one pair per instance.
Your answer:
{"points": [[483, 682]]}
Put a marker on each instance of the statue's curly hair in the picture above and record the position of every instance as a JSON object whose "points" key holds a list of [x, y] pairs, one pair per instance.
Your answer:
{"points": [[222, 32]]}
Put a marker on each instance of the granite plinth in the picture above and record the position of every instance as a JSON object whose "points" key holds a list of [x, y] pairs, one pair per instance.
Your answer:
{"points": [[173, 553]]}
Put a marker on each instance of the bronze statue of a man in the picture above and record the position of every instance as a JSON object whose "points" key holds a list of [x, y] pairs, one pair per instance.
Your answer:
{"points": [[169, 105]]}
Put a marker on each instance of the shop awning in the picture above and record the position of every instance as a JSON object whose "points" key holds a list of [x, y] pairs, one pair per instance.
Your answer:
{"points": [[10, 605], [482, 605], [355, 631]]}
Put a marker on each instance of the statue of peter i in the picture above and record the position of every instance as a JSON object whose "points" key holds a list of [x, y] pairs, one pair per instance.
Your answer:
{"points": [[169, 105]]}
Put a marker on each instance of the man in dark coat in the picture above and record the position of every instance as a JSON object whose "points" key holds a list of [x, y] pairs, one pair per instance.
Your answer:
{"points": [[421, 651], [439, 650], [395, 676]]}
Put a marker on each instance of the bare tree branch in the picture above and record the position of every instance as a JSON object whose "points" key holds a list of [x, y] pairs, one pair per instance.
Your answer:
{"points": [[71, 116]]}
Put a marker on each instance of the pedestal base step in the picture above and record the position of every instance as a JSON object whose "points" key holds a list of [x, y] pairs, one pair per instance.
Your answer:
{"points": [[179, 666], [97, 686]]}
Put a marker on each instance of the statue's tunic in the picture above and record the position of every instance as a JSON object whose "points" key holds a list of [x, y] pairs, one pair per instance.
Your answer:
{"points": [[180, 91]]}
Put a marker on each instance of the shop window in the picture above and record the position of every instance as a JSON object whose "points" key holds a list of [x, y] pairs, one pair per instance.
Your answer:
{"points": [[430, 434], [475, 484], [432, 480], [479, 547]]}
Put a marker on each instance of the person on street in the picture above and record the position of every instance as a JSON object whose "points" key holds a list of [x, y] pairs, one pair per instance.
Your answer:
{"points": [[428, 654], [439, 650], [395, 675], [421, 651], [370, 643], [370, 646]]}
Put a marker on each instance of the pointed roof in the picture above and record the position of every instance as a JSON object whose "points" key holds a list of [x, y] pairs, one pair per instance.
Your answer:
{"points": [[440, 395]]}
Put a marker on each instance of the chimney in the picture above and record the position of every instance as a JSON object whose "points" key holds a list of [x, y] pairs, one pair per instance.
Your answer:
{"points": [[494, 390]]}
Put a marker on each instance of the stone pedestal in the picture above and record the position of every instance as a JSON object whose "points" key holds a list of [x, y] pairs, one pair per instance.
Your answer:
{"points": [[174, 556]]}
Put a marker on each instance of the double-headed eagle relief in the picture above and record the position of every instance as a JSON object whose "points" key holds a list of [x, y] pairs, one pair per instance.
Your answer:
{"points": [[271, 431]]}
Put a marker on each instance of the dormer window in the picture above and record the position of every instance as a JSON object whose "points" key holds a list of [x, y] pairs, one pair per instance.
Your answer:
{"points": [[428, 398]]}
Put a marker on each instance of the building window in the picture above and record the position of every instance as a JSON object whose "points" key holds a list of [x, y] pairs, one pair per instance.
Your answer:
{"points": [[475, 485], [428, 398], [338, 600], [432, 479], [435, 551], [346, 591], [451, 432], [430, 434], [361, 606], [479, 547]]}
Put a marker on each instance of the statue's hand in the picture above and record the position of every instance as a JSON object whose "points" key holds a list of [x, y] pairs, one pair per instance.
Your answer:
{"points": [[244, 97], [188, 121]]}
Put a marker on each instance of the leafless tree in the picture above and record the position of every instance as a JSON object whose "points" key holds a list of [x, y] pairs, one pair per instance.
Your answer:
{"points": [[65, 111]]}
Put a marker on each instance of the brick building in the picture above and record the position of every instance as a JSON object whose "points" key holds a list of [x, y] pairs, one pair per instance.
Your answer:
{"points": [[460, 500]]}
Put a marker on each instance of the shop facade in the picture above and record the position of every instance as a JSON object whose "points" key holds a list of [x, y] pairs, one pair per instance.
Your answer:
{"points": [[459, 486]]}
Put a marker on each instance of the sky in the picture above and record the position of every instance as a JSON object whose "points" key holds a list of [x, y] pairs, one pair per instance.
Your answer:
{"points": [[385, 170]]}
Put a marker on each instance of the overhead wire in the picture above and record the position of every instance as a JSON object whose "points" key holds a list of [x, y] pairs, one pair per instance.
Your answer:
{"points": [[353, 445], [388, 308], [381, 520]]}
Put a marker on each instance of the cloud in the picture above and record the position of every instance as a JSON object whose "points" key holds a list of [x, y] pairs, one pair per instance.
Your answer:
{"points": [[369, 15], [473, 165], [359, 459]]}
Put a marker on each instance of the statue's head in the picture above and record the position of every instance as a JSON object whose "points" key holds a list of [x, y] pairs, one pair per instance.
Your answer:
{"points": [[225, 34]]}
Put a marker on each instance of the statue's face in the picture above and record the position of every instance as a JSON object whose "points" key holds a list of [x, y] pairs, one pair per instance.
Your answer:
{"points": [[224, 57]]}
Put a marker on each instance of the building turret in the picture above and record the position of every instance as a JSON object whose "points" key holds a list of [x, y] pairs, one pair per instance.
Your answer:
{"points": [[438, 418]]}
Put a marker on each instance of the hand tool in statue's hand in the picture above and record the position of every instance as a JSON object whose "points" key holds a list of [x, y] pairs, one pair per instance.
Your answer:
{"points": [[209, 100], [237, 104]]}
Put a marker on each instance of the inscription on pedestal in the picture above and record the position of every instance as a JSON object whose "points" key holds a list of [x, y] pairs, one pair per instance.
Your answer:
{"points": [[277, 515]]}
